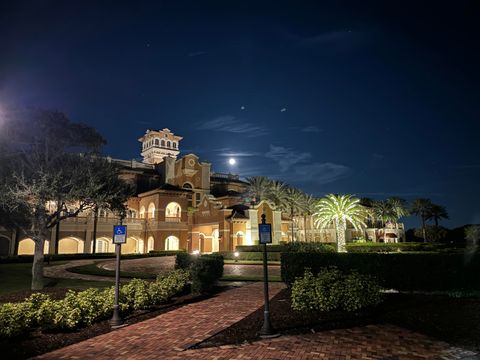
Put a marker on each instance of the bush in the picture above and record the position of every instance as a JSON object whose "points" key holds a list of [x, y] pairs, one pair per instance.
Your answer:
{"points": [[15, 319], [332, 290], [205, 271], [83, 308], [300, 246], [183, 260], [135, 295], [401, 271], [164, 287], [372, 247], [251, 256]]}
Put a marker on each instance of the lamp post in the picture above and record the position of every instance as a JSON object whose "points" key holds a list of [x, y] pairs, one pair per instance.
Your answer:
{"points": [[119, 238], [265, 232]]}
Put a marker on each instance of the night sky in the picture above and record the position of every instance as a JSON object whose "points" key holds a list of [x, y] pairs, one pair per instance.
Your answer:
{"points": [[369, 98]]}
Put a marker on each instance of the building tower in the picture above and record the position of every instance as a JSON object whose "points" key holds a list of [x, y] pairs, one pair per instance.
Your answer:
{"points": [[157, 145]]}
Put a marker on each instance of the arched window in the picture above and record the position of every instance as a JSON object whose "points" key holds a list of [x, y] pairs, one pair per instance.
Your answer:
{"points": [[163, 143], [151, 211], [150, 243], [142, 212], [168, 144], [173, 212], [187, 186], [172, 243], [174, 144], [157, 142]]}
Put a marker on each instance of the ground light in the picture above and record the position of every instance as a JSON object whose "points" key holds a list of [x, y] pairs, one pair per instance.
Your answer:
{"points": [[236, 254]]}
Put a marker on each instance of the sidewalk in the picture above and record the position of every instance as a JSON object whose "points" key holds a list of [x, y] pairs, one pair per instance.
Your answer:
{"points": [[169, 335]]}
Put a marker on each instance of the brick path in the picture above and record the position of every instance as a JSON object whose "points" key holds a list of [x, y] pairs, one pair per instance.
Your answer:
{"points": [[169, 335]]}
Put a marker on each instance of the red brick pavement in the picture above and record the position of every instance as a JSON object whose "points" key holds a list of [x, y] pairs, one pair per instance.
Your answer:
{"points": [[169, 335]]}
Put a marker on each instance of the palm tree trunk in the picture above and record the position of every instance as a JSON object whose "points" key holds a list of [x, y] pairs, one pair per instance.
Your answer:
{"points": [[341, 243], [423, 229], [291, 213], [436, 221], [305, 227]]}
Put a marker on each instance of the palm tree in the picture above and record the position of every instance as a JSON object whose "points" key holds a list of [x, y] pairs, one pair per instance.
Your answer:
{"points": [[422, 208], [293, 204], [384, 212], [277, 193], [307, 205], [399, 208], [258, 187], [437, 212], [340, 210]]}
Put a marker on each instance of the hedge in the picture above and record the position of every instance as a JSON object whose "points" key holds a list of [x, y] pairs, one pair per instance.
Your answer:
{"points": [[369, 247], [58, 257], [205, 270], [251, 256], [401, 271], [83, 308], [289, 247]]}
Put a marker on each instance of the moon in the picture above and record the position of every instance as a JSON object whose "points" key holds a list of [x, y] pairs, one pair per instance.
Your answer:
{"points": [[232, 161]]}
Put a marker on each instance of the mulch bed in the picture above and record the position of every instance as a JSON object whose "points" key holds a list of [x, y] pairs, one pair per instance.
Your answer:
{"points": [[39, 343], [454, 320]]}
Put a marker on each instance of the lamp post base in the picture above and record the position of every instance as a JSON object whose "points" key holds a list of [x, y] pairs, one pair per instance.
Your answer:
{"points": [[267, 331], [116, 320]]}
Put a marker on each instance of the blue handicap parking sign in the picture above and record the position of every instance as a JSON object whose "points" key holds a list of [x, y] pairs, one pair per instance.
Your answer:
{"points": [[119, 234]]}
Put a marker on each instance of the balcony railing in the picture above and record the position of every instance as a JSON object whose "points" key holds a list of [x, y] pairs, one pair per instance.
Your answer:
{"points": [[173, 219]]}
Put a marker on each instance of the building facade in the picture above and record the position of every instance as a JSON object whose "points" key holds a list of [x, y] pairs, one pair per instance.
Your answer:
{"points": [[180, 204]]}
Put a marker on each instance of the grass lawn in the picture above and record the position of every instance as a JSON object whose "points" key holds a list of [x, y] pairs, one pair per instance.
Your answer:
{"points": [[18, 277], [250, 262], [93, 269]]}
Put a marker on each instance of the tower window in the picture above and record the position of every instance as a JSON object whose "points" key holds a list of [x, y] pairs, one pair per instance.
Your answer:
{"points": [[168, 143]]}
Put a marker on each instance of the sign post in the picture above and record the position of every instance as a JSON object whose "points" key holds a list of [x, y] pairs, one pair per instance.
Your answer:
{"points": [[119, 238], [265, 235]]}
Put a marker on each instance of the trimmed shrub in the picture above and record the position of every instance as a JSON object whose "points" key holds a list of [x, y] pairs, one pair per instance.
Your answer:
{"points": [[183, 260], [166, 286], [83, 308], [300, 246], [135, 295], [205, 271], [401, 271], [333, 290], [251, 256], [15, 319], [372, 247]]}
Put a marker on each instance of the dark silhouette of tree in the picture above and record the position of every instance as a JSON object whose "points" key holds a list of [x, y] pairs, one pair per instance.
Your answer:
{"points": [[50, 170]]}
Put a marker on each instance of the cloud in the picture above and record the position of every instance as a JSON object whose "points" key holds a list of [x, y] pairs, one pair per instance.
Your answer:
{"points": [[339, 39], [311, 129], [229, 123], [286, 157], [320, 173], [196, 53]]}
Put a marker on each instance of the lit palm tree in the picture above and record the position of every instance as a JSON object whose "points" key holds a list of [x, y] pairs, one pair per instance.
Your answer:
{"points": [[422, 208], [340, 210], [437, 212]]}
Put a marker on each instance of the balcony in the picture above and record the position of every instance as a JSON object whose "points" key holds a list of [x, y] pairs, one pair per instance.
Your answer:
{"points": [[172, 219]]}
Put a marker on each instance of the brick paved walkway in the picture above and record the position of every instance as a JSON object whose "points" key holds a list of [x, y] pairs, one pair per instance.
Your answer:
{"points": [[169, 335]]}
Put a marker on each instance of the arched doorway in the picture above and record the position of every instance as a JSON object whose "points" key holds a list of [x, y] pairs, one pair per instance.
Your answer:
{"points": [[172, 243], [70, 245], [4, 246], [215, 241], [150, 243], [104, 245], [27, 247]]}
